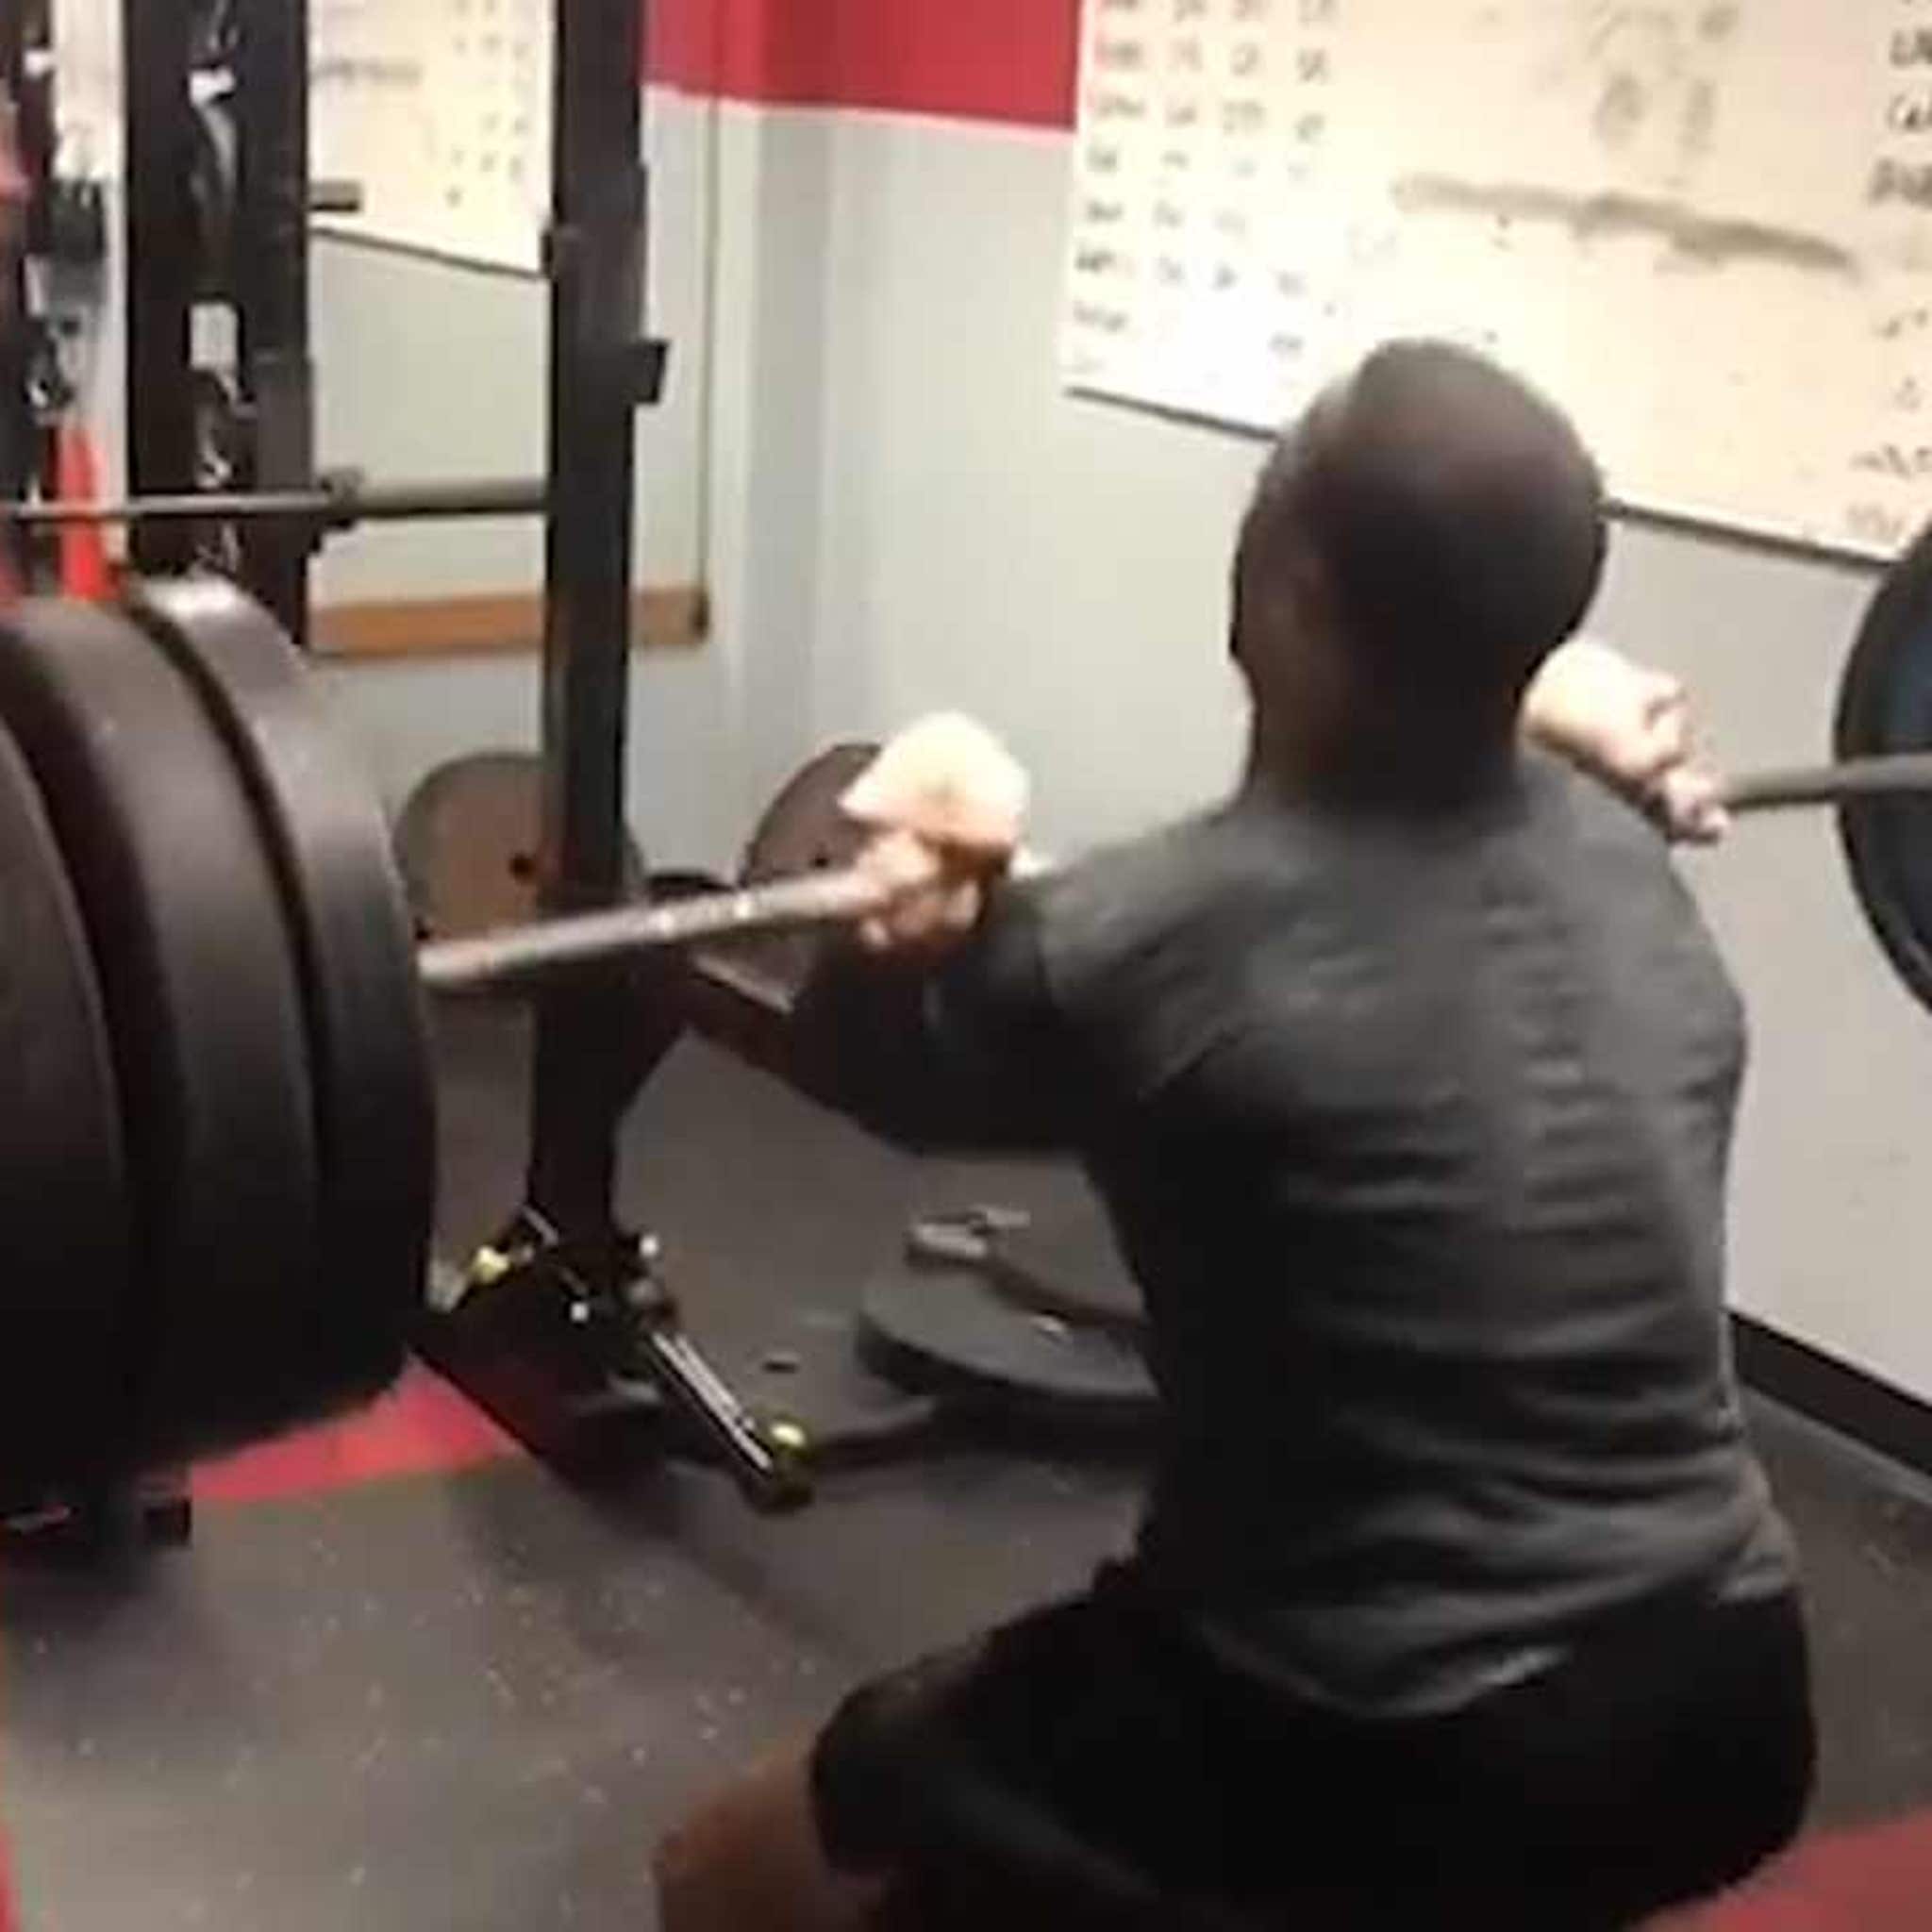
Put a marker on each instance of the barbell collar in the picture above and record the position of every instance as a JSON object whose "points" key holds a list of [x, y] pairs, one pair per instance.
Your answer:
{"points": [[335, 197]]}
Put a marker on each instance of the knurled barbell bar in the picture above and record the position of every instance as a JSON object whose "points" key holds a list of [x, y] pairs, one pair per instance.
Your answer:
{"points": [[217, 1006], [845, 897]]}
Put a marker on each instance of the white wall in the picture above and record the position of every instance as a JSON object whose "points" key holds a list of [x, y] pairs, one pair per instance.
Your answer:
{"points": [[771, 422], [1058, 566], [1834, 1195], [429, 371]]}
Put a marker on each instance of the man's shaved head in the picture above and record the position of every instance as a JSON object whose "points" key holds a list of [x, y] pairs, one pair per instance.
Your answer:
{"points": [[1442, 523]]}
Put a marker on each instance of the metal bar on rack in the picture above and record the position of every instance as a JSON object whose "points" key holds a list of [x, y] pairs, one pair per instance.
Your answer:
{"points": [[334, 505]]}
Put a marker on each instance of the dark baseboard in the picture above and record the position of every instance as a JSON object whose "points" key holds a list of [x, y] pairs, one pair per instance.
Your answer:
{"points": [[1871, 1412]]}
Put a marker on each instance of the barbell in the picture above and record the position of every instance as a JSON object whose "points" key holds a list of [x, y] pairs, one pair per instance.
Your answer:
{"points": [[217, 1145], [843, 897]]}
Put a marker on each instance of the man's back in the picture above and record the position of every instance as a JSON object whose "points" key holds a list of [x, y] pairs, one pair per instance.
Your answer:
{"points": [[1414, 1116], [1418, 1144]]}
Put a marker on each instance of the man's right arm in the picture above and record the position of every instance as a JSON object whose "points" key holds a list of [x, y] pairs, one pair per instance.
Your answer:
{"points": [[937, 1025], [963, 1052]]}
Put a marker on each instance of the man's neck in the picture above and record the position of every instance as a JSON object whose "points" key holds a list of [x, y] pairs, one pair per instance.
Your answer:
{"points": [[1403, 766]]}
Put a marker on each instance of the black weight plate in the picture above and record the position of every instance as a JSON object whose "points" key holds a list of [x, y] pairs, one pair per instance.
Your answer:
{"points": [[802, 830], [467, 841], [1885, 704], [197, 965], [65, 1242], [369, 1059], [950, 1332], [1066, 1263]]}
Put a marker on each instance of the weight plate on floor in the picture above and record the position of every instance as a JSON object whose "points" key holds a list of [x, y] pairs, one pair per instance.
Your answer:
{"points": [[1885, 704], [467, 843], [803, 830], [951, 1332], [197, 967], [369, 1059], [64, 1227], [1066, 1263]]}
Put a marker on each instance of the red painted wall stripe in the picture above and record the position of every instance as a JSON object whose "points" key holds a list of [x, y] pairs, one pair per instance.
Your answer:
{"points": [[1011, 60]]}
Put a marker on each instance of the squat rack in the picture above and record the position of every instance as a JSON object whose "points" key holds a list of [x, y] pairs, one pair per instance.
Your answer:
{"points": [[607, 1345], [584, 1289]]}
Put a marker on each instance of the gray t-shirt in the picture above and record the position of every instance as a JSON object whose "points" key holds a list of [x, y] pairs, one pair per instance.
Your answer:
{"points": [[1416, 1137]]}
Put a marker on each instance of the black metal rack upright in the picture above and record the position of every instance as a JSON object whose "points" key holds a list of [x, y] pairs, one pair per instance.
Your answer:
{"points": [[160, 269], [19, 443], [255, 224], [595, 254], [596, 1351], [271, 291]]}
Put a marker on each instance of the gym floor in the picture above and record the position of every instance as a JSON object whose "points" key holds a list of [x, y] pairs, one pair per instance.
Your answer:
{"points": [[403, 1679]]}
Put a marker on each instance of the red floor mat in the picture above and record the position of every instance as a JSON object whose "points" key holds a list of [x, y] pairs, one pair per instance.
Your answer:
{"points": [[1875, 1881], [421, 1426], [1878, 1879]]}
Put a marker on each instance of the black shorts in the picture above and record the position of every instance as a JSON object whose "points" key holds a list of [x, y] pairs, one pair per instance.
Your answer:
{"points": [[1091, 1765]]}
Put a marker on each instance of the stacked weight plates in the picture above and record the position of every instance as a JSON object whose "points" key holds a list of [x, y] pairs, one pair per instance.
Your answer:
{"points": [[65, 1222], [217, 1155]]}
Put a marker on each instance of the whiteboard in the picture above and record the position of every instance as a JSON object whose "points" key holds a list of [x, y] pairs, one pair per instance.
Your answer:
{"points": [[440, 110], [1703, 226], [86, 37]]}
